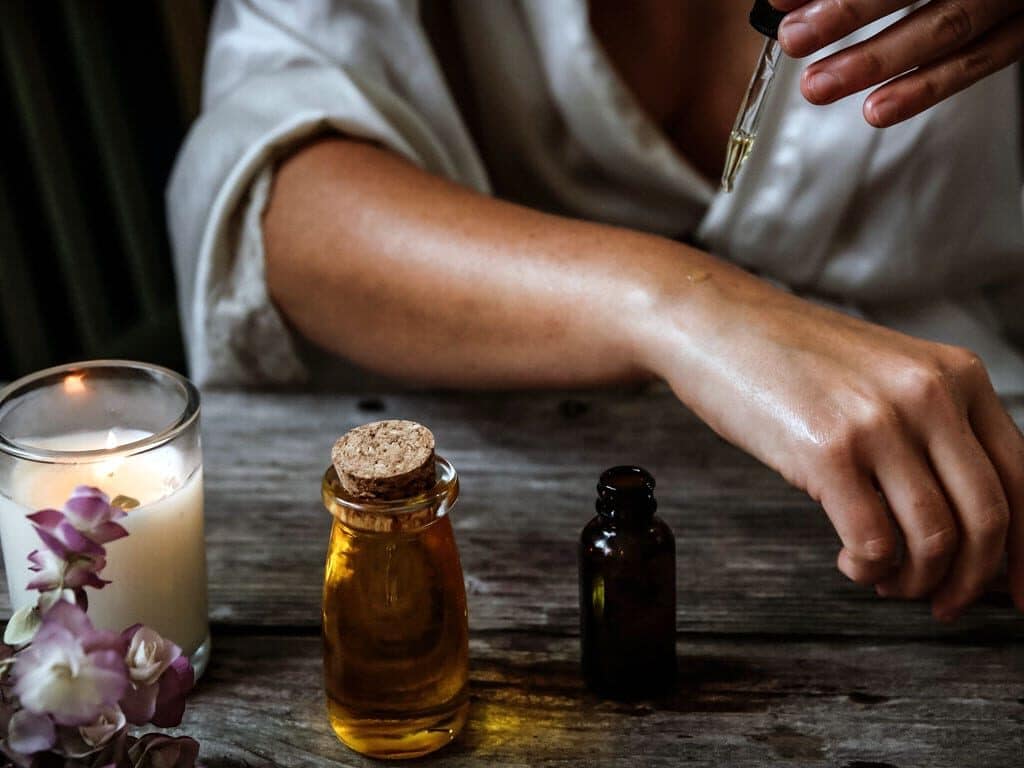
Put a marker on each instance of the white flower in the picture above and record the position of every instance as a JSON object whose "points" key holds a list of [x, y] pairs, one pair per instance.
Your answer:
{"points": [[148, 656], [99, 732], [71, 671]]}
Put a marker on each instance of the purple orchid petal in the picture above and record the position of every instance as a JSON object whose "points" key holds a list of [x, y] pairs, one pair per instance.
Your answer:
{"points": [[44, 583], [89, 490], [90, 512], [139, 703], [108, 532], [87, 510], [175, 684], [52, 543], [77, 541], [39, 560], [129, 633], [83, 574], [49, 599], [110, 722], [28, 733], [72, 744], [64, 619], [66, 541], [48, 519], [49, 569], [156, 750]]}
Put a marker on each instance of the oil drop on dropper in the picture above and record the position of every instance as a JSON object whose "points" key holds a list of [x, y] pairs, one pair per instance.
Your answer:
{"points": [[765, 19]]}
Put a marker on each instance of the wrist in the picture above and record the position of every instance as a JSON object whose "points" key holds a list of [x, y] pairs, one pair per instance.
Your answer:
{"points": [[679, 300]]}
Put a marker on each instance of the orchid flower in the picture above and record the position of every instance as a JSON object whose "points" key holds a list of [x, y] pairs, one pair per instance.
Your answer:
{"points": [[75, 688], [159, 677], [71, 671]]}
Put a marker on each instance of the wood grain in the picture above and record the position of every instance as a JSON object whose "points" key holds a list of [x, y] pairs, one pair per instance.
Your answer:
{"points": [[754, 555], [737, 703], [782, 662]]}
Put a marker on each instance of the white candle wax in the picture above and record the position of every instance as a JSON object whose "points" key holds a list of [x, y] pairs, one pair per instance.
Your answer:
{"points": [[158, 572]]}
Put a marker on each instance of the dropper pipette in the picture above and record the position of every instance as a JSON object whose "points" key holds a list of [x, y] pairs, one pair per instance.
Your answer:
{"points": [[765, 19]]}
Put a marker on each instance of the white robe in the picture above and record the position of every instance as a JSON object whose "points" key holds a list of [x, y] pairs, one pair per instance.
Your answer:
{"points": [[919, 226]]}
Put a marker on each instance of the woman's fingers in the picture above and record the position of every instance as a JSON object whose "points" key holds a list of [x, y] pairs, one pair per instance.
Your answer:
{"points": [[932, 32], [811, 26], [973, 486], [871, 547], [938, 50], [1004, 443], [930, 532], [927, 86]]}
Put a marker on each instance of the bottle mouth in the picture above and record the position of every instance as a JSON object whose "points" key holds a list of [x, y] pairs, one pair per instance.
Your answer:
{"points": [[626, 493], [626, 482], [392, 515]]}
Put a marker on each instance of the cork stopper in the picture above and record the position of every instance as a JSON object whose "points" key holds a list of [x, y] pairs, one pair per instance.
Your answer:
{"points": [[385, 461]]}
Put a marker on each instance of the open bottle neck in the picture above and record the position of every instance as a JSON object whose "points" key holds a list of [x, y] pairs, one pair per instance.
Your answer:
{"points": [[626, 494]]}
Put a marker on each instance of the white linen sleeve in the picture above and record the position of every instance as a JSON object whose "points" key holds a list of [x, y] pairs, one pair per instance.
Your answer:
{"points": [[277, 73]]}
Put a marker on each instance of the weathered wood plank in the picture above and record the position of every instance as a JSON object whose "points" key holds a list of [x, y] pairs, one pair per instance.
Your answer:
{"points": [[737, 703], [755, 556]]}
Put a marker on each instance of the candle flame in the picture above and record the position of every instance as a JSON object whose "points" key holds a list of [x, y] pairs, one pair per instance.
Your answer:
{"points": [[106, 469], [74, 383]]}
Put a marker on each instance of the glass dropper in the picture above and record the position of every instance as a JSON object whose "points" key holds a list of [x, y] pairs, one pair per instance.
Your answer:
{"points": [[765, 19]]}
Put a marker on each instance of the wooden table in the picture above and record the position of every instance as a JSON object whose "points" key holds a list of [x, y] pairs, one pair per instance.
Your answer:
{"points": [[782, 661]]}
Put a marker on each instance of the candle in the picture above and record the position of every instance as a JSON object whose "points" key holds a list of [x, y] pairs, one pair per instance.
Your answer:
{"points": [[87, 428]]}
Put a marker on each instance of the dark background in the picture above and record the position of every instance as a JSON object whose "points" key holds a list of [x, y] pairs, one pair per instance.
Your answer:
{"points": [[95, 97]]}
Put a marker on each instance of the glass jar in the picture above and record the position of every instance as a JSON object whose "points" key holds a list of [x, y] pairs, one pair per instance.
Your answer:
{"points": [[395, 628], [130, 429]]}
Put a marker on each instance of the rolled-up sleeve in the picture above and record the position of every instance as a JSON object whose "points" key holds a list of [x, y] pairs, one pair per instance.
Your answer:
{"points": [[277, 73]]}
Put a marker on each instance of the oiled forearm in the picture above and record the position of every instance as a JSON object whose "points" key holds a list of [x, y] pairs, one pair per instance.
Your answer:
{"points": [[413, 276]]}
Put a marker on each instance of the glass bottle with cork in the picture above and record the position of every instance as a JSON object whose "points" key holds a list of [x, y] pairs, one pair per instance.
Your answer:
{"points": [[396, 640], [627, 570]]}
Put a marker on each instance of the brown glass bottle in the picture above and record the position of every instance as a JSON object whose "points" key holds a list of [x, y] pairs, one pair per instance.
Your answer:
{"points": [[627, 564]]}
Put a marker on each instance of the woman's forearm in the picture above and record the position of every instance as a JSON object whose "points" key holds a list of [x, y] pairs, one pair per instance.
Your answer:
{"points": [[416, 277]]}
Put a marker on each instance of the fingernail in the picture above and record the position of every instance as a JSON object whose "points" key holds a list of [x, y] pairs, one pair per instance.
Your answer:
{"points": [[882, 590], [824, 86], [883, 113], [798, 38]]}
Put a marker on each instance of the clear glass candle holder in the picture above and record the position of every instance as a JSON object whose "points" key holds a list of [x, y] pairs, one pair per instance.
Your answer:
{"points": [[130, 429]]}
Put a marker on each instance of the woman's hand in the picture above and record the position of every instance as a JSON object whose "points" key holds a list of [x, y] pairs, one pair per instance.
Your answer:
{"points": [[903, 441], [936, 51]]}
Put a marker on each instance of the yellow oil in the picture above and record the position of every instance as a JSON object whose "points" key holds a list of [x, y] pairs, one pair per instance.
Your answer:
{"points": [[738, 150], [396, 642]]}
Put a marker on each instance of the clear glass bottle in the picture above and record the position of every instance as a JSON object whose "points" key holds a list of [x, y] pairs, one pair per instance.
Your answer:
{"points": [[395, 628], [627, 565]]}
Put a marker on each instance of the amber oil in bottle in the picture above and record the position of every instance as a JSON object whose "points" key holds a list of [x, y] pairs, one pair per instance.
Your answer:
{"points": [[394, 613], [627, 569]]}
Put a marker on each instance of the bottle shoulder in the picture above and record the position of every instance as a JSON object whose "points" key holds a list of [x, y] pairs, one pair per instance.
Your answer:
{"points": [[606, 536]]}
